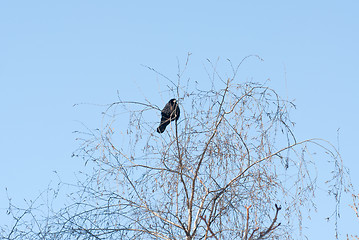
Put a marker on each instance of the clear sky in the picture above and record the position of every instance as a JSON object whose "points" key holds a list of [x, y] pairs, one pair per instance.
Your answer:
{"points": [[54, 54]]}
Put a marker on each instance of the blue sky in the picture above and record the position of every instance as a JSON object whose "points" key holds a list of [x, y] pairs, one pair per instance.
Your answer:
{"points": [[56, 54]]}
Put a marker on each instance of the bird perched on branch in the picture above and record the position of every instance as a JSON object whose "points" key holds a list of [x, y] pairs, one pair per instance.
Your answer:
{"points": [[169, 113]]}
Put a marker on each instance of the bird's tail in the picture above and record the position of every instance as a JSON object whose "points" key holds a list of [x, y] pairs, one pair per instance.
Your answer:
{"points": [[161, 128]]}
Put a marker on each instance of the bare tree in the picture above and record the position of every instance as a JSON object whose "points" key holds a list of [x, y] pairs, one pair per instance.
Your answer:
{"points": [[229, 168], [355, 208]]}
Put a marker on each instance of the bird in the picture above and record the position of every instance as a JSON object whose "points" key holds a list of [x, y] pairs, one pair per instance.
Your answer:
{"points": [[169, 113]]}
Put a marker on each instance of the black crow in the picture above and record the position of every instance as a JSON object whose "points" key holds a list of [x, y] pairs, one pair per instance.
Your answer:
{"points": [[169, 113]]}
